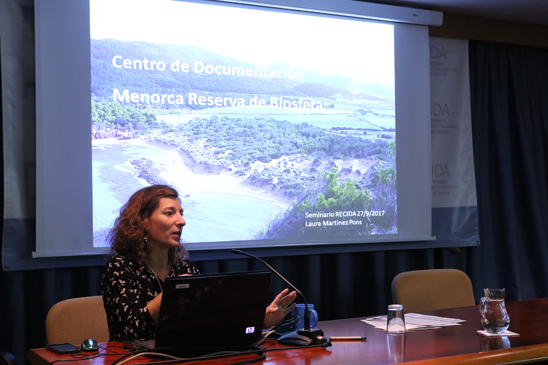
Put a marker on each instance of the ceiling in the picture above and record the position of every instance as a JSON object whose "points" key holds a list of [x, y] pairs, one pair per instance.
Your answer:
{"points": [[524, 11]]}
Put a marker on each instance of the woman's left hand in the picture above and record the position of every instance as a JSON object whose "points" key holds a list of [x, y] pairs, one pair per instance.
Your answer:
{"points": [[279, 308]]}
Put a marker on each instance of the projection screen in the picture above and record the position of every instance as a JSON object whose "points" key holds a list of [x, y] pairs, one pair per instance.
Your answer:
{"points": [[287, 124]]}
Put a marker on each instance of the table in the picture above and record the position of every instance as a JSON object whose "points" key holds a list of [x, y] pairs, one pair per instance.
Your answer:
{"points": [[450, 345]]}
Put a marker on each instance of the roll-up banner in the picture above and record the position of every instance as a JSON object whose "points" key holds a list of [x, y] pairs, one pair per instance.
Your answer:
{"points": [[454, 203]]}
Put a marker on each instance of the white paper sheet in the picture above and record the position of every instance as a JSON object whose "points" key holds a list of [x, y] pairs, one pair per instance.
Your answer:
{"points": [[415, 321]]}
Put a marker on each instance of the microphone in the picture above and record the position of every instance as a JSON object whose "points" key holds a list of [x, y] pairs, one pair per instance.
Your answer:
{"points": [[299, 337]]}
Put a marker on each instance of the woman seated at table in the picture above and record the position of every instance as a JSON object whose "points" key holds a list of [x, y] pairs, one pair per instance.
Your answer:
{"points": [[146, 242]]}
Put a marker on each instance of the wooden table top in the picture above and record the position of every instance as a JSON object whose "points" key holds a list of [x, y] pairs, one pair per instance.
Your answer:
{"points": [[450, 345]]}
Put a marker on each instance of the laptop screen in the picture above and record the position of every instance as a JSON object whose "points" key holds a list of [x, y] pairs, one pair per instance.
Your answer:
{"points": [[218, 312]]}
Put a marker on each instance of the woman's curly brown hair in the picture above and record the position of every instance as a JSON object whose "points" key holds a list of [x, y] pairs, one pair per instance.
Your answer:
{"points": [[127, 236]]}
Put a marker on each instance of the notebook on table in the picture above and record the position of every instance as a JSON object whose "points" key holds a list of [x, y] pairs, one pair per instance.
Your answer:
{"points": [[208, 313]]}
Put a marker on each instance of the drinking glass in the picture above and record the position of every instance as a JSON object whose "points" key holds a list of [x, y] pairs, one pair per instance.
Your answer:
{"points": [[395, 321]]}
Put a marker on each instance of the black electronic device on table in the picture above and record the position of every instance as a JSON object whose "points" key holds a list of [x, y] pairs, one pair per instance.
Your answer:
{"points": [[90, 345], [208, 313], [63, 348]]}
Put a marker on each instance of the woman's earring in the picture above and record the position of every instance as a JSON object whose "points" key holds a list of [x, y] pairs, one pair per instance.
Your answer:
{"points": [[145, 238]]}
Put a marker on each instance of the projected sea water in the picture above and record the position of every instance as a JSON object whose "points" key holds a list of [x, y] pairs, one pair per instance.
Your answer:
{"points": [[223, 215]]}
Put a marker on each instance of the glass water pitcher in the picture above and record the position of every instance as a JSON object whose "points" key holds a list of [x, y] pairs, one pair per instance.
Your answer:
{"points": [[494, 317]]}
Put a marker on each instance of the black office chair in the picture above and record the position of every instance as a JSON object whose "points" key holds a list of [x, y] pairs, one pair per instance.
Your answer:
{"points": [[6, 358]]}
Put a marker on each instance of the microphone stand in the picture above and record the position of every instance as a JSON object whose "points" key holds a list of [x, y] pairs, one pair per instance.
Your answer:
{"points": [[299, 337]]}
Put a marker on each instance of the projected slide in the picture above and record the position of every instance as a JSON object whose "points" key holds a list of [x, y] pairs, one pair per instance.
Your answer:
{"points": [[271, 125]]}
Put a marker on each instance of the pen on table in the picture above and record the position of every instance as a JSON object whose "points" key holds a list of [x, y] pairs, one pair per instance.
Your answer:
{"points": [[349, 338]]}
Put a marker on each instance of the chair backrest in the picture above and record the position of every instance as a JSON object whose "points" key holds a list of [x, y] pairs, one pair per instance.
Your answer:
{"points": [[423, 290], [7, 358], [75, 320]]}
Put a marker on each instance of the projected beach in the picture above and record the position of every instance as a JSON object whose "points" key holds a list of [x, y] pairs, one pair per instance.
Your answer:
{"points": [[271, 125]]}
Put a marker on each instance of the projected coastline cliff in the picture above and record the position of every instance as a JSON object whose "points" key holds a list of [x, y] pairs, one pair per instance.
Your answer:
{"points": [[260, 152]]}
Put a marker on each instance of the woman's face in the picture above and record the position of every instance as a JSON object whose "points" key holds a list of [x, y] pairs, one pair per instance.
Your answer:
{"points": [[166, 223]]}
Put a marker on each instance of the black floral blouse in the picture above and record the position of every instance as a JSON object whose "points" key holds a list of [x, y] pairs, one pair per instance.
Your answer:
{"points": [[126, 292]]}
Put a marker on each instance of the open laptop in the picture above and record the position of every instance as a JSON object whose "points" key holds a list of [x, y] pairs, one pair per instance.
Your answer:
{"points": [[208, 313]]}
